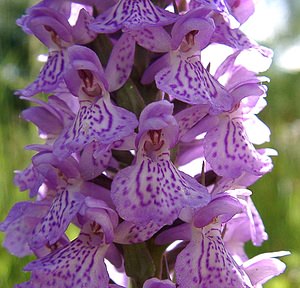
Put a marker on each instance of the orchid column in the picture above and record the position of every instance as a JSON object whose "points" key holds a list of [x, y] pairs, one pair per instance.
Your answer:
{"points": [[148, 114]]}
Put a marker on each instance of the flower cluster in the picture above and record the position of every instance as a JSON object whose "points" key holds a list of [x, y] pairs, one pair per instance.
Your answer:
{"points": [[133, 93]]}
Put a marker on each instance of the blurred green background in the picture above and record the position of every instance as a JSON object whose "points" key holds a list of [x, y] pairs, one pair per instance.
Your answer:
{"points": [[277, 195]]}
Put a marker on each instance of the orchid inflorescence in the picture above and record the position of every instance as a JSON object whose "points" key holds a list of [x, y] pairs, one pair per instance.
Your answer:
{"points": [[148, 114]]}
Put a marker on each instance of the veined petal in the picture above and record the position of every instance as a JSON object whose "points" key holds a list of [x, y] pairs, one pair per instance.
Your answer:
{"points": [[229, 151], [132, 14], [120, 62], [30, 179], [154, 191], [64, 207], [128, 232], [19, 224], [188, 117], [81, 32], [93, 160], [235, 38], [187, 80], [50, 76], [205, 262], [79, 264], [155, 39], [100, 121]]}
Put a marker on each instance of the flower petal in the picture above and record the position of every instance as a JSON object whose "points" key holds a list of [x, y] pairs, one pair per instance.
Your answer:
{"points": [[155, 190], [120, 62], [155, 39], [64, 207], [79, 264], [188, 81], [132, 14], [19, 224], [263, 267], [50, 76], [100, 121], [229, 151], [205, 262], [128, 233]]}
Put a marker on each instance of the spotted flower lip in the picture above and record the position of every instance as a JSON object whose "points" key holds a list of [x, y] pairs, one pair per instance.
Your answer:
{"points": [[152, 189], [132, 14], [80, 262], [208, 263]]}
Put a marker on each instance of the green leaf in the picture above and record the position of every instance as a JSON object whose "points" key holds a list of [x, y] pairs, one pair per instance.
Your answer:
{"points": [[139, 264], [129, 98]]}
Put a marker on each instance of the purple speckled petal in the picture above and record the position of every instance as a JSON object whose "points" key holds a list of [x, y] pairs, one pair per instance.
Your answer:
{"points": [[30, 179], [157, 283], [50, 76], [93, 160], [96, 121], [64, 207], [120, 62], [128, 233], [81, 32], [154, 190], [19, 224], [155, 39], [257, 228], [79, 264], [188, 81], [188, 117], [229, 151], [205, 262], [132, 14], [205, 124], [235, 38]]}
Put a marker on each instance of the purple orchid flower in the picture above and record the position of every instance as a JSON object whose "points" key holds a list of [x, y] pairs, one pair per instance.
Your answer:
{"points": [[54, 31], [152, 189], [205, 262], [231, 135], [181, 74], [98, 119]]}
